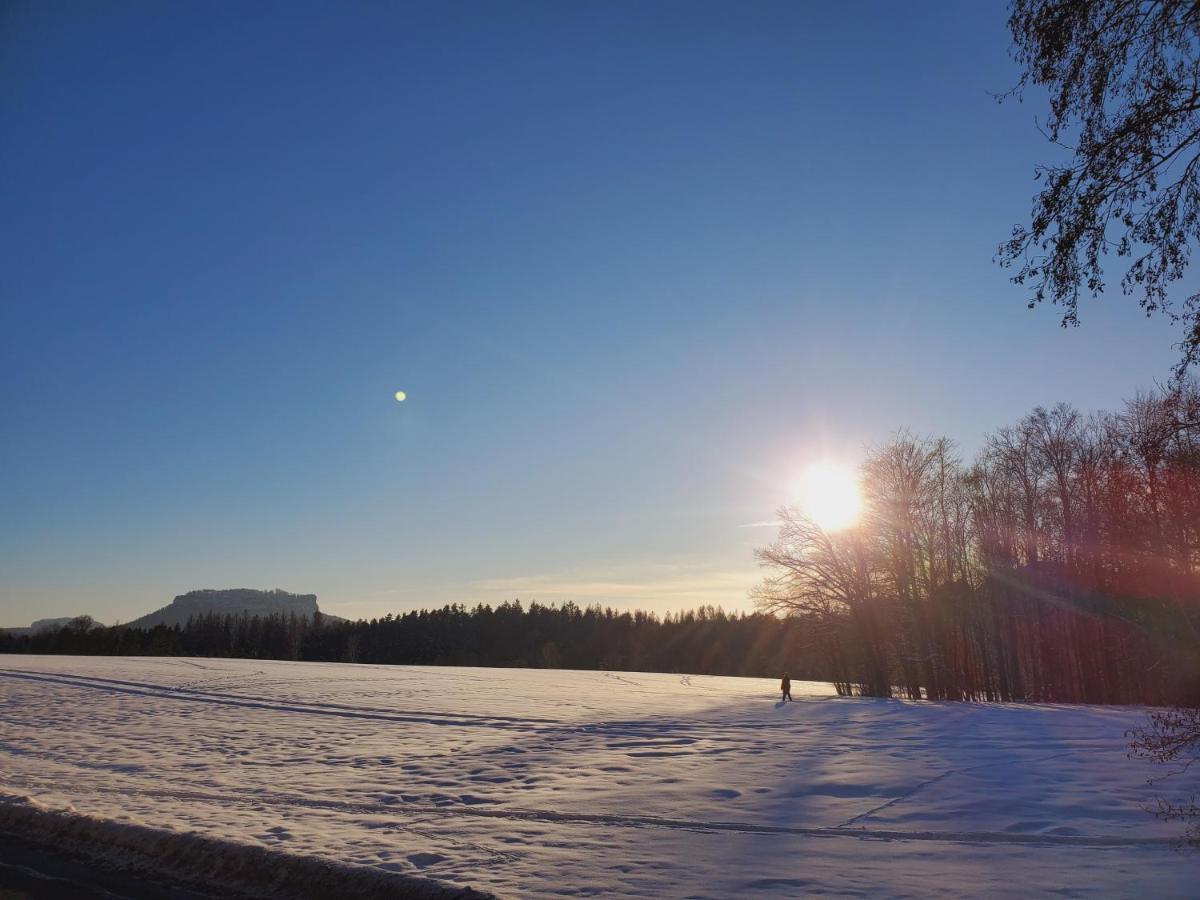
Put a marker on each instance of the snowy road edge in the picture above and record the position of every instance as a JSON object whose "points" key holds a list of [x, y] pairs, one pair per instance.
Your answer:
{"points": [[208, 861]]}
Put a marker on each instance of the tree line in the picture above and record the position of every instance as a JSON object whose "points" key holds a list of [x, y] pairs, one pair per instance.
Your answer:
{"points": [[1059, 564], [703, 641]]}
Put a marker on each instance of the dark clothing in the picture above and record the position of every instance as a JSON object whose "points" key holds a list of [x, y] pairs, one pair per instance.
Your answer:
{"points": [[786, 687]]}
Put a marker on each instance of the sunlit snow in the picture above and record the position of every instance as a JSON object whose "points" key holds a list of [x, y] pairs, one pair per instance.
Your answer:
{"points": [[536, 783]]}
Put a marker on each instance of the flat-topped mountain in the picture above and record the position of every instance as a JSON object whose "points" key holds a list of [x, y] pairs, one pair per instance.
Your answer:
{"points": [[231, 602]]}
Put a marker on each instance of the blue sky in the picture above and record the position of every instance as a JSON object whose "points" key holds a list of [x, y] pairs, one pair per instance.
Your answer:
{"points": [[634, 263]]}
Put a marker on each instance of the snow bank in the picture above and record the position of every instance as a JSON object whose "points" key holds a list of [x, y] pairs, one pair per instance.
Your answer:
{"points": [[210, 862]]}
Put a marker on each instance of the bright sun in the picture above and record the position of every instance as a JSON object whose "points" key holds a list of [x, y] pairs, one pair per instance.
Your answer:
{"points": [[829, 495]]}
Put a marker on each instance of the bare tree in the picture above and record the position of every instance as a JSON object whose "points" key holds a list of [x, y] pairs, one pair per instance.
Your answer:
{"points": [[1124, 83], [1172, 739], [828, 580], [1062, 564]]}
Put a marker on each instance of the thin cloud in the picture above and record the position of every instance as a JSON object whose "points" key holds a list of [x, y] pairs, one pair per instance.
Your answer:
{"points": [[669, 586]]}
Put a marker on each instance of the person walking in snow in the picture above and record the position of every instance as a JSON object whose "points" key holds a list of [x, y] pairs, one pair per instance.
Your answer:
{"points": [[786, 687]]}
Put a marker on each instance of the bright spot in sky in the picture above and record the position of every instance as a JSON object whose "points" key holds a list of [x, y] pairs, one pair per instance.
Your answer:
{"points": [[829, 495], [401, 396]]}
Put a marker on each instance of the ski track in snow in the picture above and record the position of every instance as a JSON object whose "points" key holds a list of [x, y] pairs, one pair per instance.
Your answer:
{"points": [[548, 783]]}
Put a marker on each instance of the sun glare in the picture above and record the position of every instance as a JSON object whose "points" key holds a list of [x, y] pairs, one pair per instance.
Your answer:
{"points": [[829, 495]]}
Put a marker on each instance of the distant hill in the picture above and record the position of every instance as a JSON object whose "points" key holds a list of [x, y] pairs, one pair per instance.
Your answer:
{"points": [[43, 625], [50, 624], [231, 602]]}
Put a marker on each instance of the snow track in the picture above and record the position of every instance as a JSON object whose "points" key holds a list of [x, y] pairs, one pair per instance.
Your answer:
{"points": [[250, 702], [537, 783], [425, 805]]}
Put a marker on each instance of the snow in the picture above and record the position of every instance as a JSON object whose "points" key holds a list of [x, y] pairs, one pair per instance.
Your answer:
{"points": [[214, 862], [536, 783]]}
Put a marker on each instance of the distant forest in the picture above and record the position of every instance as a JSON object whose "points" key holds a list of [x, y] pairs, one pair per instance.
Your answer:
{"points": [[1061, 564], [706, 641]]}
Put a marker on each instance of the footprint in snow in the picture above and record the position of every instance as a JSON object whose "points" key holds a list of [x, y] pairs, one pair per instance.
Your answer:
{"points": [[1027, 826], [424, 860], [472, 800]]}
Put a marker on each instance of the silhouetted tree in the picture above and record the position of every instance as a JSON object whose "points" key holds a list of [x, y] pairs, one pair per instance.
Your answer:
{"points": [[1124, 83], [1062, 564]]}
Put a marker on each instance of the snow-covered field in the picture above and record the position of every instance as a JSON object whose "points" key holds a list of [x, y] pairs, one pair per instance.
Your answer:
{"points": [[544, 783]]}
